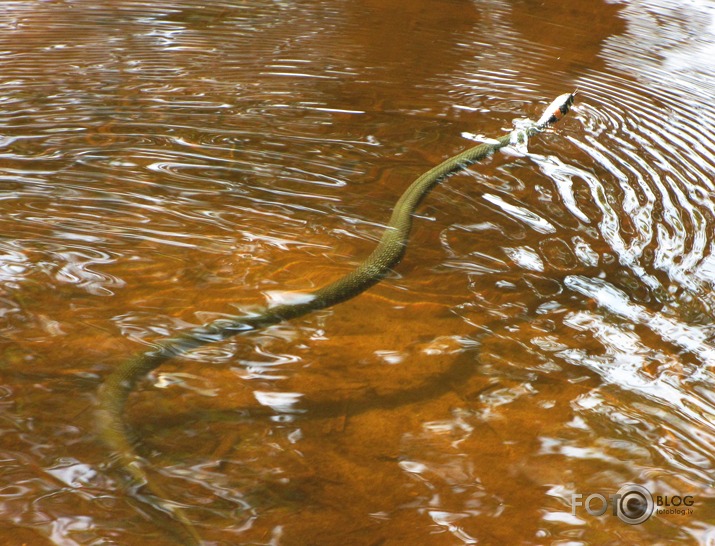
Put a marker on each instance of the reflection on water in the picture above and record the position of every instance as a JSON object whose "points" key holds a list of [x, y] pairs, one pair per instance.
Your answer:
{"points": [[548, 334]]}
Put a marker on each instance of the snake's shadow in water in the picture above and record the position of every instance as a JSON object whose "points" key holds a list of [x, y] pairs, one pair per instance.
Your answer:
{"points": [[452, 379]]}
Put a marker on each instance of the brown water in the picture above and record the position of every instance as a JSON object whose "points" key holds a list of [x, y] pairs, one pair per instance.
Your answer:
{"points": [[549, 333]]}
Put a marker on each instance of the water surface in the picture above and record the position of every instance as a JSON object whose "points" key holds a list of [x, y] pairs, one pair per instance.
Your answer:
{"points": [[549, 333]]}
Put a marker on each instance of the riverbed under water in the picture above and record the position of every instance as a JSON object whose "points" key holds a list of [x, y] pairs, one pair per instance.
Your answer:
{"points": [[549, 333]]}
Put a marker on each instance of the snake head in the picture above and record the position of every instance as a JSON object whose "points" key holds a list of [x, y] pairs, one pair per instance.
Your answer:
{"points": [[557, 109]]}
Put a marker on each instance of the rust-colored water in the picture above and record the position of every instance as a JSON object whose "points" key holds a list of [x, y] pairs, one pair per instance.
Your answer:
{"points": [[549, 333]]}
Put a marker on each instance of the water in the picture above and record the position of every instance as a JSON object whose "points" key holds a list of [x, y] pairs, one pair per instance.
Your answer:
{"points": [[548, 334]]}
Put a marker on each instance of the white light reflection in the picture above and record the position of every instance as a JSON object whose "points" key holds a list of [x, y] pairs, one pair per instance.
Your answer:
{"points": [[447, 519], [279, 401], [522, 214], [617, 302], [184, 380], [73, 475], [525, 257], [285, 297]]}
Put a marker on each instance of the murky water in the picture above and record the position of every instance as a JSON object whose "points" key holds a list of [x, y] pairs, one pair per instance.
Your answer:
{"points": [[549, 333]]}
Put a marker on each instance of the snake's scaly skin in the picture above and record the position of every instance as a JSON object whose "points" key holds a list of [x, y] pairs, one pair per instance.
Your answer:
{"points": [[117, 387]]}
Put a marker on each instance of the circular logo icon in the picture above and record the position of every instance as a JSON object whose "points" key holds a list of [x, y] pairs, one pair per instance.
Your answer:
{"points": [[634, 504]]}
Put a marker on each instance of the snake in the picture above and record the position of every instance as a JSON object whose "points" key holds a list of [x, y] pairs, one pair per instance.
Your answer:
{"points": [[117, 387]]}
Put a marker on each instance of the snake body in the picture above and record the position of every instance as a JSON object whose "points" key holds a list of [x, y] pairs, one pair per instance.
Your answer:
{"points": [[117, 387]]}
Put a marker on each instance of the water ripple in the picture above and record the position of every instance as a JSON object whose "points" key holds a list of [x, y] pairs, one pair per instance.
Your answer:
{"points": [[164, 165]]}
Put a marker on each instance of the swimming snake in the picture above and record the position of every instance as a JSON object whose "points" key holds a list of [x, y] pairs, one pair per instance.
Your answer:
{"points": [[115, 390]]}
